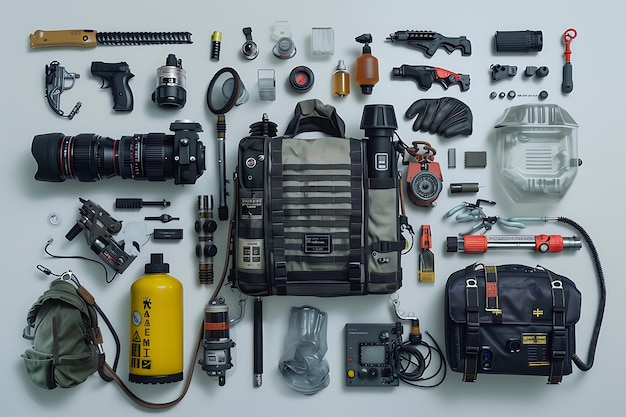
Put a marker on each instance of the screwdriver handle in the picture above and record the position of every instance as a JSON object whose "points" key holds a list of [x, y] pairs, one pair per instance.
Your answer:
{"points": [[568, 84]]}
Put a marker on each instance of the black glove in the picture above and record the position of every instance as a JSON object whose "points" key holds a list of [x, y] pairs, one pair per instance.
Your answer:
{"points": [[446, 116]]}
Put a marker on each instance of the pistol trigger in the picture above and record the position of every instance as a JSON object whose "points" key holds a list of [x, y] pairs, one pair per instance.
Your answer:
{"points": [[449, 48], [444, 82], [105, 83]]}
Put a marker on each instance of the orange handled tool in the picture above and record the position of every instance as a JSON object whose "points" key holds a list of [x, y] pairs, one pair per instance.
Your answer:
{"points": [[538, 243], [426, 264]]}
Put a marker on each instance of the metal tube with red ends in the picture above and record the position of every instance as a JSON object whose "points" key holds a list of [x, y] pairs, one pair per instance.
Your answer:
{"points": [[539, 243]]}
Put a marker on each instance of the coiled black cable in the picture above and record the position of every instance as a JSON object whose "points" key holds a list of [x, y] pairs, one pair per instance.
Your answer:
{"points": [[585, 366], [410, 362]]}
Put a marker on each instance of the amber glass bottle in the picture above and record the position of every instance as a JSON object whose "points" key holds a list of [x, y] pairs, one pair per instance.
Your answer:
{"points": [[341, 80]]}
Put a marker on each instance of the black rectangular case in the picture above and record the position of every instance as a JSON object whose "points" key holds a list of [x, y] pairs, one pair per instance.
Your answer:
{"points": [[510, 319]]}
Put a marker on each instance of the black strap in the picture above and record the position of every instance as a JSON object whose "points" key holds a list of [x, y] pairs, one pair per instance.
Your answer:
{"points": [[355, 264], [314, 116], [384, 246], [277, 218], [472, 333], [559, 336]]}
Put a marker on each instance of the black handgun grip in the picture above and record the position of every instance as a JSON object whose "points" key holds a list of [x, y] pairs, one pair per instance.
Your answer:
{"points": [[424, 75], [116, 76], [74, 231]]}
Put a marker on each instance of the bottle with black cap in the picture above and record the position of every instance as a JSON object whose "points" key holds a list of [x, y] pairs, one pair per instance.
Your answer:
{"points": [[366, 72], [156, 326]]}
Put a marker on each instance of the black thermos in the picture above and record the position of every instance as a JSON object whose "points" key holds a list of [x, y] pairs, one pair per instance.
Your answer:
{"points": [[379, 123]]}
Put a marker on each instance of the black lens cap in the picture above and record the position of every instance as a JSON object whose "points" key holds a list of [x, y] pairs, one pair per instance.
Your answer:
{"points": [[301, 79]]}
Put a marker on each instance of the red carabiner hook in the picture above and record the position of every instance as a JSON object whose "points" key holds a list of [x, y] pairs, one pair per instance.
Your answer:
{"points": [[568, 36]]}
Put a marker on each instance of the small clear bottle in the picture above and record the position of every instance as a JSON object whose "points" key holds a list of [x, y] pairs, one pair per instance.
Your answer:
{"points": [[341, 80]]}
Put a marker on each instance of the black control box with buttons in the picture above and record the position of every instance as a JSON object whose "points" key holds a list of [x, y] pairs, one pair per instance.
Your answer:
{"points": [[369, 354]]}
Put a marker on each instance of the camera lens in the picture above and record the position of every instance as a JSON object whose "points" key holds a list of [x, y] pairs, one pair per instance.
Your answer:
{"points": [[89, 157]]}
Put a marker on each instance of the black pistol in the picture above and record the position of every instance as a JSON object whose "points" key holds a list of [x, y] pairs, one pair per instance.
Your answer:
{"points": [[429, 41], [115, 75]]}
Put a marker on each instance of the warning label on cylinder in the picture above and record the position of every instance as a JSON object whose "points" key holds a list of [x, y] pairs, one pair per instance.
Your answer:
{"points": [[140, 340]]}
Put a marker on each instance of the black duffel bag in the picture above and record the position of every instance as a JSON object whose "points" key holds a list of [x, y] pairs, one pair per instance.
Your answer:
{"points": [[510, 319], [513, 319]]}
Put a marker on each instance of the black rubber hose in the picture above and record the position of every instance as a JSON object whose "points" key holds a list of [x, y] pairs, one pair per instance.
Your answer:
{"points": [[585, 366]]}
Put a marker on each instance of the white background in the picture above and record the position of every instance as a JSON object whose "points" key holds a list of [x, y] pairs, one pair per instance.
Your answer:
{"points": [[595, 199]]}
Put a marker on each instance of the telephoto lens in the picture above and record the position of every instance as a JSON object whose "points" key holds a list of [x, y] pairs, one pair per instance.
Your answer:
{"points": [[152, 156]]}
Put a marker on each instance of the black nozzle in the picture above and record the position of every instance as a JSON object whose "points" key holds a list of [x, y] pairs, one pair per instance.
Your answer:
{"points": [[156, 265], [377, 118], [171, 61], [364, 38], [452, 244]]}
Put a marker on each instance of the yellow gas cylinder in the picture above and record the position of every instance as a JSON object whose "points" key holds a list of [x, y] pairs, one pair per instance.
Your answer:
{"points": [[156, 326]]}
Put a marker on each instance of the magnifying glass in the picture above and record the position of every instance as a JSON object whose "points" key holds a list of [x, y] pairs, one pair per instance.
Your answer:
{"points": [[225, 92]]}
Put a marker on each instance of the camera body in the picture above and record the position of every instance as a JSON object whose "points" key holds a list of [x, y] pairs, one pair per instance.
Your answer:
{"points": [[153, 156]]}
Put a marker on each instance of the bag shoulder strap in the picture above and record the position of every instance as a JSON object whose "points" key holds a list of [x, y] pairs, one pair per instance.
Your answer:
{"points": [[472, 332], [559, 336], [315, 116]]}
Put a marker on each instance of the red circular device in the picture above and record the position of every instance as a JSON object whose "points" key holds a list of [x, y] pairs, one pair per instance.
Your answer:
{"points": [[301, 79]]}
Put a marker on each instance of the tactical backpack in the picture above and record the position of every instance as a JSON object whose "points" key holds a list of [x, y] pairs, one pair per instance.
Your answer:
{"points": [[319, 216], [65, 334]]}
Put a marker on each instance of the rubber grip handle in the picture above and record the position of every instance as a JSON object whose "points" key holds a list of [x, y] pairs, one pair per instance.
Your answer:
{"points": [[258, 336], [568, 83], [73, 232], [77, 37]]}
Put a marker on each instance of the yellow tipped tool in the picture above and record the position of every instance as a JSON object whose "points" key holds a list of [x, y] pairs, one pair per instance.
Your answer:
{"points": [[90, 38], [426, 265]]}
